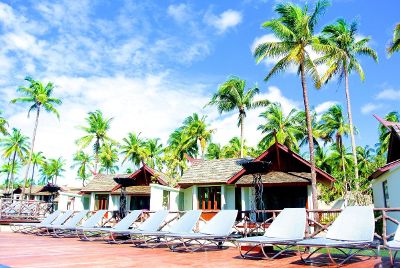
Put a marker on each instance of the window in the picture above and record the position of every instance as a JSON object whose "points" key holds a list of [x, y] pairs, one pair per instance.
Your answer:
{"points": [[209, 197], [385, 194], [101, 201], [139, 202], [166, 199]]}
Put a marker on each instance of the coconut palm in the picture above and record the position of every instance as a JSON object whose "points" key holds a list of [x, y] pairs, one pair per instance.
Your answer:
{"points": [[232, 95], [154, 150], [214, 151], [96, 130], [287, 129], [9, 168], [294, 29], [15, 146], [38, 96], [46, 173], [334, 125], [37, 159], [57, 168], [234, 148], [108, 158], [384, 133], [84, 163], [196, 128], [133, 149], [343, 61], [341, 158], [317, 133], [395, 44], [3, 125], [366, 159], [322, 159]]}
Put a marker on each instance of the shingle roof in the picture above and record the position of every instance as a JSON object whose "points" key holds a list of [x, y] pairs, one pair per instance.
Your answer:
{"points": [[211, 171], [277, 177], [384, 169], [101, 183]]}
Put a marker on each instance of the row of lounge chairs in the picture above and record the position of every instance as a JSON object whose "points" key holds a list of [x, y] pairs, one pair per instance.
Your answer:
{"points": [[351, 232]]}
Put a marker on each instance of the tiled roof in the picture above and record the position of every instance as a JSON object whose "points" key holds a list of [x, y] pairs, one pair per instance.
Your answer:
{"points": [[384, 169], [137, 190], [277, 177], [211, 171]]}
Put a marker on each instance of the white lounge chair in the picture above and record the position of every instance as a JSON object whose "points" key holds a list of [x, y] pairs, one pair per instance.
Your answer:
{"points": [[26, 227], [283, 233], [215, 232], [59, 230], [86, 233], [353, 229], [394, 246], [183, 225]]}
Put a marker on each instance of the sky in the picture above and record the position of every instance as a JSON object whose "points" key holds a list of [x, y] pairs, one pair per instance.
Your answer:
{"points": [[150, 64]]}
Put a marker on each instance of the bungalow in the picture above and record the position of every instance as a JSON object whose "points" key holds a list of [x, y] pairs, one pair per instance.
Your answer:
{"points": [[386, 179], [225, 184], [102, 192]]}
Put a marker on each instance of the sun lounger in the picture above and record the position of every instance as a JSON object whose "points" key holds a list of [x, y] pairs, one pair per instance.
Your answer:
{"points": [[25, 227], [353, 229], [48, 227], [152, 224], [394, 246], [86, 233], [183, 225], [60, 229], [215, 232], [283, 233]]}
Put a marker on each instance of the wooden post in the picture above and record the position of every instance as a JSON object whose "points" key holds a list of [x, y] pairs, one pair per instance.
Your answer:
{"points": [[384, 232]]}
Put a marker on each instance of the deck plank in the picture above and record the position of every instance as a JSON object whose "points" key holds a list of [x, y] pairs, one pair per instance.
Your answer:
{"points": [[20, 250]]}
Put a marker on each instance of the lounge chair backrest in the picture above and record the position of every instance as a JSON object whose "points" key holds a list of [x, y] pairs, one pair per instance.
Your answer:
{"points": [[289, 224], [129, 219], [74, 220], [397, 234], [220, 224], [51, 217], [355, 223], [63, 217], [186, 223], [154, 222], [93, 220]]}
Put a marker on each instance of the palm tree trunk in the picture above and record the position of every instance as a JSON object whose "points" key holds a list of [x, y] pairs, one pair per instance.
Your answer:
{"points": [[310, 138], [30, 185], [31, 151], [11, 182], [8, 176], [353, 142], [241, 134]]}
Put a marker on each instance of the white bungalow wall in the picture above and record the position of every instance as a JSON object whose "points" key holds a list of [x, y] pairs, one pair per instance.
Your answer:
{"points": [[393, 184], [157, 193]]}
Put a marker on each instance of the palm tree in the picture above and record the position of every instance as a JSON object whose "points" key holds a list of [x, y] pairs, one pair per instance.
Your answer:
{"points": [[108, 158], [38, 96], [341, 158], [334, 125], [214, 151], [384, 133], [366, 159], [14, 145], [57, 168], [343, 61], [295, 29], [37, 159], [287, 129], [322, 159], [133, 148], [234, 148], [3, 125], [10, 168], [154, 151], [84, 162], [96, 129], [46, 173], [196, 128], [231, 95], [395, 44]]}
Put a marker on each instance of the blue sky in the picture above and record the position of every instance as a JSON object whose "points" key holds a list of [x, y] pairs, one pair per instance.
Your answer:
{"points": [[149, 64]]}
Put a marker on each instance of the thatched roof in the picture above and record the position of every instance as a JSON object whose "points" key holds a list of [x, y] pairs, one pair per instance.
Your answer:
{"points": [[102, 183], [277, 178], [211, 171]]}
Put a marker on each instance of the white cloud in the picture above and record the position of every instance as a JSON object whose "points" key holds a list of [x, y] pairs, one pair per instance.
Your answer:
{"points": [[389, 94], [370, 107], [179, 12], [323, 107], [222, 22]]}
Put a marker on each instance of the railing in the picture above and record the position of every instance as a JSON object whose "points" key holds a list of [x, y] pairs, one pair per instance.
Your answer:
{"points": [[16, 209], [318, 222]]}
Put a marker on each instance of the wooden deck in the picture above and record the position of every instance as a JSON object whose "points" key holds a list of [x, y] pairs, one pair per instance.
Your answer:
{"points": [[19, 250]]}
